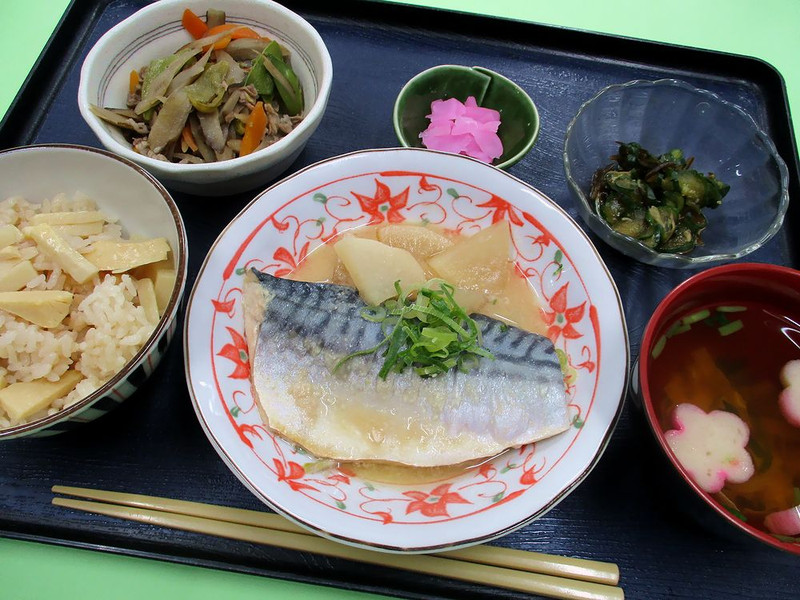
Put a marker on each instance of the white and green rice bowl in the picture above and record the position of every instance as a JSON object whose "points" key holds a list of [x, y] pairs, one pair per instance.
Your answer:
{"points": [[107, 336]]}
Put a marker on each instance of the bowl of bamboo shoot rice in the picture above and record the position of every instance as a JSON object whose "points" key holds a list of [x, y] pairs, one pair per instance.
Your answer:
{"points": [[92, 270], [213, 97]]}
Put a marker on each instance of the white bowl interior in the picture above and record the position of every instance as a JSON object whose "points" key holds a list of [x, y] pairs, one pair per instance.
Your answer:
{"points": [[39, 173]]}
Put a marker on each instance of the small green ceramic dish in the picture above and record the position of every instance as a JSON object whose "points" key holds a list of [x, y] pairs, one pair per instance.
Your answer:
{"points": [[519, 119]]}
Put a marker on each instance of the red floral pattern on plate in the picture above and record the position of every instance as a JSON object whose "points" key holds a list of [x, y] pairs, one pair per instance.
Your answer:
{"points": [[434, 504], [391, 200], [236, 352]]}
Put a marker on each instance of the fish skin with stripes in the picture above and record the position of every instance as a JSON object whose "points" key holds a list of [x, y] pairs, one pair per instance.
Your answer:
{"points": [[297, 332]]}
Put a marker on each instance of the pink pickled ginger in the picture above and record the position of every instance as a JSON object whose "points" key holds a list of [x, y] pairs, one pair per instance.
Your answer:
{"points": [[463, 128]]}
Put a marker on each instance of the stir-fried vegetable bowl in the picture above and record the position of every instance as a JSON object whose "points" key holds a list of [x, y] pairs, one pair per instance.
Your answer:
{"points": [[228, 93], [184, 87]]}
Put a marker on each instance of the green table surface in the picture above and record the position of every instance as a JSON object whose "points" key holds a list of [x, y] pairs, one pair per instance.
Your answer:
{"points": [[766, 29]]}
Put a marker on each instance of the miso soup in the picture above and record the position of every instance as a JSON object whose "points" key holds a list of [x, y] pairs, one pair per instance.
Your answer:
{"points": [[729, 358]]}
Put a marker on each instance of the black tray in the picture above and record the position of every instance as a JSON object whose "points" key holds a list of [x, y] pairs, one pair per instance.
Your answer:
{"points": [[153, 443]]}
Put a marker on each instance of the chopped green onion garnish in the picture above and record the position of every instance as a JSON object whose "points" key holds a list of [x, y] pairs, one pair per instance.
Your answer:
{"points": [[430, 334], [376, 314], [737, 513], [696, 317], [731, 327], [570, 374], [677, 328], [658, 347], [731, 309], [786, 538]]}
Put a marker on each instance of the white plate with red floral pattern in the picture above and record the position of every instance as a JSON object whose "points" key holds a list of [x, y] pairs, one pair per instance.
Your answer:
{"points": [[580, 303]]}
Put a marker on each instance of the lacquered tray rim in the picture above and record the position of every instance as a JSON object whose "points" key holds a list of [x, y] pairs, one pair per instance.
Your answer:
{"points": [[87, 13]]}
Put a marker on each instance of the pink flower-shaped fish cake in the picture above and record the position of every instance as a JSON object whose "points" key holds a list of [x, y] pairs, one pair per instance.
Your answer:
{"points": [[789, 400], [711, 446]]}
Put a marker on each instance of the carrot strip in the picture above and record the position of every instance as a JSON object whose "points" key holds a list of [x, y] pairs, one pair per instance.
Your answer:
{"points": [[237, 31], [240, 31], [188, 138], [221, 44], [245, 32], [133, 81], [193, 24], [254, 130]]}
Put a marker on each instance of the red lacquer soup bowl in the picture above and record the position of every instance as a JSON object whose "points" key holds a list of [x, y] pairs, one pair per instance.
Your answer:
{"points": [[720, 341]]}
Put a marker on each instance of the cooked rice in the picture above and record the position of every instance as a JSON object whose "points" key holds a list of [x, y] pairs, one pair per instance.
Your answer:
{"points": [[102, 332]]}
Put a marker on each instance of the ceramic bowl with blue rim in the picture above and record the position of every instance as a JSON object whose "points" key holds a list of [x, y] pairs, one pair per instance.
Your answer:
{"points": [[39, 185]]}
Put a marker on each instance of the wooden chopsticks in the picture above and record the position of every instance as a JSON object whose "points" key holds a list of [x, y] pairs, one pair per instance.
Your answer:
{"points": [[532, 572]]}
